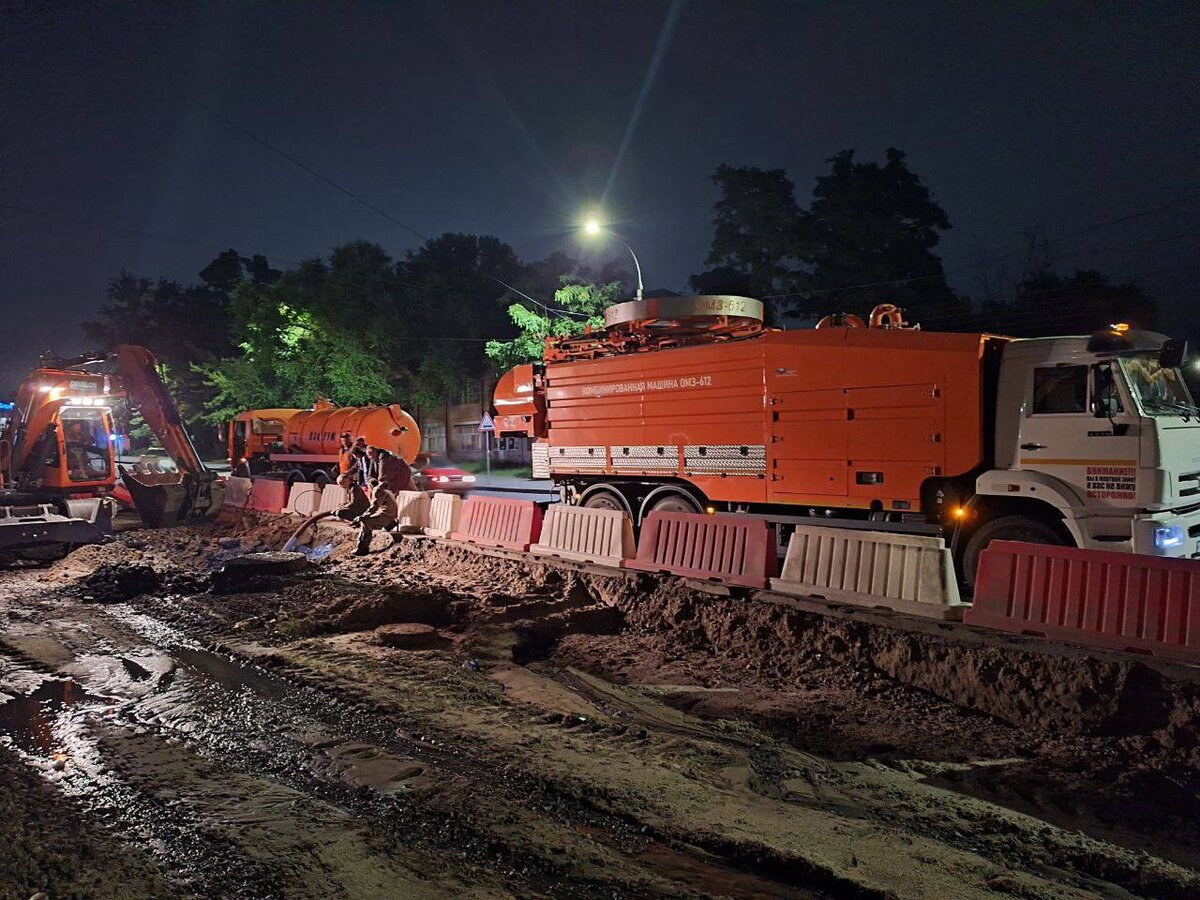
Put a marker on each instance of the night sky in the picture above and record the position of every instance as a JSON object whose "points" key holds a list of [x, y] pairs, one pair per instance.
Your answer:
{"points": [[510, 118]]}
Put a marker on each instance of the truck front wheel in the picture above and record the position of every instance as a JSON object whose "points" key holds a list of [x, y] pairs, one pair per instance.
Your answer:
{"points": [[1007, 528]]}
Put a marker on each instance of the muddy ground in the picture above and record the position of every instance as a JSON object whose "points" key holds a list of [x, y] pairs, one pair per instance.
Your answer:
{"points": [[432, 722]]}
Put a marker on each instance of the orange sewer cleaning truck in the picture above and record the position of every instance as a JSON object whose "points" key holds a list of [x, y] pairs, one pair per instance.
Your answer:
{"points": [[302, 444], [688, 403]]}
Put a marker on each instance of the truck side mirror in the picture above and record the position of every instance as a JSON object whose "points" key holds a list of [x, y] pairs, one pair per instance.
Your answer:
{"points": [[1172, 353], [1102, 391]]}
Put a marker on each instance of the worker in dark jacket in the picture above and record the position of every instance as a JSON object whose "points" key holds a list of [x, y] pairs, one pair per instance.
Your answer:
{"points": [[360, 457], [382, 513], [356, 498], [359, 466], [386, 466]]}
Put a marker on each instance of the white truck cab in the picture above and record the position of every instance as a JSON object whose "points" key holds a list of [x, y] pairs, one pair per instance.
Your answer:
{"points": [[1097, 439]]}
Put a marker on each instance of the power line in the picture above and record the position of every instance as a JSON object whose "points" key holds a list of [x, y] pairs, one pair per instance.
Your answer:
{"points": [[358, 198], [105, 226]]}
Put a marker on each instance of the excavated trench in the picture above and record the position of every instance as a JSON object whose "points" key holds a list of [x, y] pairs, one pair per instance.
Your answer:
{"points": [[1003, 765]]}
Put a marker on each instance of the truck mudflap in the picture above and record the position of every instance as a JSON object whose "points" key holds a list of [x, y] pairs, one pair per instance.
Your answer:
{"points": [[38, 532], [170, 498]]}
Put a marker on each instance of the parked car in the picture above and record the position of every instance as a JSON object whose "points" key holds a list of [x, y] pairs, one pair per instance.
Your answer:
{"points": [[436, 473]]}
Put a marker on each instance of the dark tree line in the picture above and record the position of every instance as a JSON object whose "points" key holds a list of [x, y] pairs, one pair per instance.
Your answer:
{"points": [[868, 236], [358, 327]]}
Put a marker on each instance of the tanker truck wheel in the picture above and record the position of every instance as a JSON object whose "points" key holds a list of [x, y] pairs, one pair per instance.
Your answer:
{"points": [[670, 501], [1006, 528], [604, 499]]}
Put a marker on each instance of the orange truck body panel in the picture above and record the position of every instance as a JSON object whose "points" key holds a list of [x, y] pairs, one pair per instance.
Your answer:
{"points": [[831, 417]]}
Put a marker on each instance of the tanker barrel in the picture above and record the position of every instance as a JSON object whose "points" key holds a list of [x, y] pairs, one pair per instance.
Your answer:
{"points": [[319, 431]]}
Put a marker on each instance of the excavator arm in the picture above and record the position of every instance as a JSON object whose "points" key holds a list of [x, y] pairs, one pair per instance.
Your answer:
{"points": [[161, 499]]}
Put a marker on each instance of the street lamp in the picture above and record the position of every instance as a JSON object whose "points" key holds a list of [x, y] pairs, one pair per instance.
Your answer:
{"points": [[592, 228]]}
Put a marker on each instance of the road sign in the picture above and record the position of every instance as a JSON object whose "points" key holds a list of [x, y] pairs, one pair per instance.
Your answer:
{"points": [[486, 423]]}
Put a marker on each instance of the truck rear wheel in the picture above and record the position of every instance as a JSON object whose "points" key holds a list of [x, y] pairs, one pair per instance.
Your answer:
{"points": [[1006, 528], [675, 501], [604, 500]]}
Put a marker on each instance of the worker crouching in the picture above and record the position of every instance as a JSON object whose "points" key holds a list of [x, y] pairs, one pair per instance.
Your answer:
{"points": [[382, 513], [356, 503]]}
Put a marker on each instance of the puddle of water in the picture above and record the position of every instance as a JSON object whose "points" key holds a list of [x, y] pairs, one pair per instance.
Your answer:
{"points": [[36, 722], [705, 874], [231, 674]]}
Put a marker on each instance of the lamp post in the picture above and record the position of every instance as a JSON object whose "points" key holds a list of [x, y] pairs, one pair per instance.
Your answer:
{"points": [[593, 227]]}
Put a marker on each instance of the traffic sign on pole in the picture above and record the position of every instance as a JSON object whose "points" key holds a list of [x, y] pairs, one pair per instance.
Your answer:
{"points": [[486, 423]]}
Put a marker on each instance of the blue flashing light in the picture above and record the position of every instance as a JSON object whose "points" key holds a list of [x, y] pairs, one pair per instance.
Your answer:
{"points": [[1168, 536]]}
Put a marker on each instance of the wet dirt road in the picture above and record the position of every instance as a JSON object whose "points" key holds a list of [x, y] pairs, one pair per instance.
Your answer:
{"points": [[541, 742]]}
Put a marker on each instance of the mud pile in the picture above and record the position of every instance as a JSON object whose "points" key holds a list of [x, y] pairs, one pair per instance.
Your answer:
{"points": [[641, 696], [48, 849]]}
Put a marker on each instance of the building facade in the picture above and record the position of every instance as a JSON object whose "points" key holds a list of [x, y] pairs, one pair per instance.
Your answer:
{"points": [[452, 429]]}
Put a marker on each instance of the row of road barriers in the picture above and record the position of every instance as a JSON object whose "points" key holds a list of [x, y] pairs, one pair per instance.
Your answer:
{"points": [[1117, 601], [869, 568], [418, 512]]}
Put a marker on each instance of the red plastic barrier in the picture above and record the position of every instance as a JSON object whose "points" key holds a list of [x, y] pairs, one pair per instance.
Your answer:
{"points": [[1121, 601], [734, 550], [499, 522], [267, 495]]}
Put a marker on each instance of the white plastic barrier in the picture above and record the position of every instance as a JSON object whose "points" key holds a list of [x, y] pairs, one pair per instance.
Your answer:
{"points": [[304, 499], [601, 536], [445, 510], [908, 573], [237, 492], [332, 497], [412, 511]]}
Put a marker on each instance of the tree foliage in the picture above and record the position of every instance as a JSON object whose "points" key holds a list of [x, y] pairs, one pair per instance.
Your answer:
{"points": [[756, 234], [356, 326], [866, 238], [582, 306], [185, 327]]}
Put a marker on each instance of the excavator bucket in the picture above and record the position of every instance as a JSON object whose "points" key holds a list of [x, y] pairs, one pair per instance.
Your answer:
{"points": [[158, 499], [170, 498], [165, 498]]}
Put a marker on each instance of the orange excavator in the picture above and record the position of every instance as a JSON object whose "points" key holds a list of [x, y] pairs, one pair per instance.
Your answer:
{"points": [[57, 461]]}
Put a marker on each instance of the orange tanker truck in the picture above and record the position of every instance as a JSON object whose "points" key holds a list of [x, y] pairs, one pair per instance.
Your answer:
{"points": [[302, 444], [687, 403]]}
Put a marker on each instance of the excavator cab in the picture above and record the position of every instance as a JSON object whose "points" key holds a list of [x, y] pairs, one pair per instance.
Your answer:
{"points": [[82, 449]]}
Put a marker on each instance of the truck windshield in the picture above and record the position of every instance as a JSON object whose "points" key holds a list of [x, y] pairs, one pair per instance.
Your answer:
{"points": [[1159, 391], [268, 426]]}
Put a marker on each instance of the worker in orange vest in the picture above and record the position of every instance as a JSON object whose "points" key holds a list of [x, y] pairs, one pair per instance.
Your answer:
{"points": [[345, 462]]}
